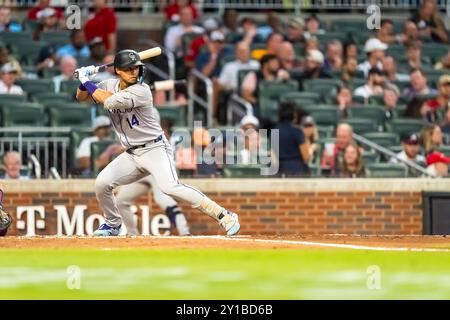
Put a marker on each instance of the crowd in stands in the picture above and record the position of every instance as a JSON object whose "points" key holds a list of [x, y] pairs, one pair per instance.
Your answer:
{"points": [[317, 82]]}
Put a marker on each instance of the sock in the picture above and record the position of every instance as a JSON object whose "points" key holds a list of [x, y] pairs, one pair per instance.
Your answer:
{"points": [[211, 208]]}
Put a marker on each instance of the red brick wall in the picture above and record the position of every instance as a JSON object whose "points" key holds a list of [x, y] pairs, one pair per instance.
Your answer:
{"points": [[269, 212]]}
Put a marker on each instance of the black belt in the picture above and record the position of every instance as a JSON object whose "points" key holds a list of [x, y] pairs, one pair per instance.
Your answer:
{"points": [[131, 149]]}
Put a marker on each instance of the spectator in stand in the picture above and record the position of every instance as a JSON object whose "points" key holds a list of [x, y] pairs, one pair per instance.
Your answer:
{"points": [[334, 152], [390, 68], [411, 150], [174, 35], [374, 86], [100, 131], [210, 25], [419, 85], [311, 133], [352, 165], [48, 22], [386, 32], [311, 44], [97, 53], [6, 24], [445, 124], [334, 56], [313, 27], [270, 70], [12, 162], [349, 70], [295, 30], [429, 22], [230, 22], [228, 79], [350, 51], [418, 108], [67, 66], [273, 24], [344, 100], [410, 33], [313, 68], [293, 152], [286, 55], [208, 62], [390, 99], [5, 57], [413, 54], [8, 75], [248, 32], [274, 40], [46, 59], [173, 11], [437, 164], [102, 23], [431, 138], [249, 153], [77, 48], [374, 49], [442, 100], [33, 14], [443, 63]]}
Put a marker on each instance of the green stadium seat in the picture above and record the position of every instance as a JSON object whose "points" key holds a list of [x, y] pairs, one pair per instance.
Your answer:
{"points": [[316, 170], [56, 38], [242, 171], [47, 98], [301, 98], [384, 139], [362, 125], [96, 150], [371, 157], [6, 98], [396, 149], [30, 25], [70, 87], [386, 170], [321, 86], [15, 37], [403, 127], [375, 113], [69, 116], [323, 115], [76, 136], [445, 150], [269, 94], [49, 73], [33, 86], [176, 113], [325, 131], [22, 114], [333, 35], [27, 50], [349, 25]]}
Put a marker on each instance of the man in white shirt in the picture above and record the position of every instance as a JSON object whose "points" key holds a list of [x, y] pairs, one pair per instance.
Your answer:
{"points": [[375, 53], [8, 75], [101, 131], [12, 162], [173, 38], [67, 66], [228, 79], [411, 150], [374, 85]]}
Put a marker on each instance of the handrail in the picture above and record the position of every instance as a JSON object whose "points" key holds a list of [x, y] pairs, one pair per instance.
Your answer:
{"points": [[54, 174], [391, 154], [36, 129], [234, 102], [37, 166], [193, 97]]}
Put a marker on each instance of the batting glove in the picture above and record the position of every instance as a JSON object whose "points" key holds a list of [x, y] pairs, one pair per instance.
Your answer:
{"points": [[86, 73]]}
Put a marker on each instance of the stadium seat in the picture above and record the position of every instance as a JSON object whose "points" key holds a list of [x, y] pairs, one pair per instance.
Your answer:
{"points": [[301, 98], [15, 37], [22, 114], [70, 86], [362, 125], [47, 98], [321, 86], [30, 25], [49, 73], [384, 139], [96, 150], [403, 127], [325, 131], [375, 113], [386, 170], [333, 35], [242, 171], [176, 113], [8, 98], [56, 38], [315, 170], [33, 86], [69, 116], [27, 50], [269, 94], [445, 150], [76, 135], [396, 149], [370, 157], [348, 25], [323, 115]]}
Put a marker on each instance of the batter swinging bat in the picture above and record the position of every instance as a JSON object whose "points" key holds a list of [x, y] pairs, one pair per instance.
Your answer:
{"points": [[146, 54]]}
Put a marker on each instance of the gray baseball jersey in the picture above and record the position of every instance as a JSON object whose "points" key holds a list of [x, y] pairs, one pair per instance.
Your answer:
{"points": [[135, 120]]}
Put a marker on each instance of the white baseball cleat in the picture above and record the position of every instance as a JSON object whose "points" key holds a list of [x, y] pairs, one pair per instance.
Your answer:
{"points": [[230, 222], [107, 231]]}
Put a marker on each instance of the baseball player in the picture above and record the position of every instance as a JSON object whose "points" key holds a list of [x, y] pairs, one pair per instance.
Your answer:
{"points": [[5, 218], [129, 103]]}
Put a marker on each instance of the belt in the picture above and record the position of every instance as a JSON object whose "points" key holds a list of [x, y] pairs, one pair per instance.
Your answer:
{"points": [[131, 149]]}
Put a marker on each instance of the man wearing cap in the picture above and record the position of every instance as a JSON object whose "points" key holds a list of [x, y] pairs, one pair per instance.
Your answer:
{"points": [[442, 100], [437, 164], [374, 49], [208, 62], [101, 131], [313, 67], [249, 154], [8, 75], [374, 86], [411, 151], [295, 30]]}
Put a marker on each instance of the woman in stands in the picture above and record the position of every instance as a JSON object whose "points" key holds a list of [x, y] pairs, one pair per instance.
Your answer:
{"points": [[353, 162], [431, 138]]}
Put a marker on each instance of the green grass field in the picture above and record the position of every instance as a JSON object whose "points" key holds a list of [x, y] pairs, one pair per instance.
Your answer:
{"points": [[221, 274]]}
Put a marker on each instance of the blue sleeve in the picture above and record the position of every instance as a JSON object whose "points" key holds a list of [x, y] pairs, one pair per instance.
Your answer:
{"points": [[202, 60]]}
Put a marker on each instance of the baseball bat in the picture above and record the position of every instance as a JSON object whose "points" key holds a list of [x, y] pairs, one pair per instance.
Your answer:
{"points": [[146, 54]]}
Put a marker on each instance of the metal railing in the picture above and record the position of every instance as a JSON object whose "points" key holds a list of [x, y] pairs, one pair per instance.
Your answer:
{"points": [[238, 106], [389, 153], [43, 147], [196, 78]]}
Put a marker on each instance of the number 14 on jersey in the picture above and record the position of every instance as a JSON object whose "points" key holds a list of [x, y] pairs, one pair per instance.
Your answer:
{"points": [[134, 121]]}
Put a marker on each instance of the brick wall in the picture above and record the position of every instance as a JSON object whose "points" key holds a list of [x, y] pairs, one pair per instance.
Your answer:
{"points": [[360, 212]]}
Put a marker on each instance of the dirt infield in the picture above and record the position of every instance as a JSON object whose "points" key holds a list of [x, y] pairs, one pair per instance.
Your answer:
{"points": [[240, 242]]}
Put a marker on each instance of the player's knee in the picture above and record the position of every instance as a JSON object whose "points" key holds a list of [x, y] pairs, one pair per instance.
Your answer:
{"points": [[102, 185], [169, 188]]}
